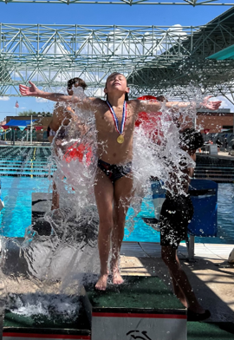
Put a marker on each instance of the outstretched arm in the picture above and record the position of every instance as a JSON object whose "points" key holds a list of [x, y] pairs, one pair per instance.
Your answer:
{"points": [[33, 91], [156, 106], [206, 103]]}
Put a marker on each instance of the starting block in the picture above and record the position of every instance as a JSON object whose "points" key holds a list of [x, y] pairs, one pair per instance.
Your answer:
{"points": [[141, 308]]}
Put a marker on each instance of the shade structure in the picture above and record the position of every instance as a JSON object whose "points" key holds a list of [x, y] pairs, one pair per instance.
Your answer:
{"points": [[17, 122]]}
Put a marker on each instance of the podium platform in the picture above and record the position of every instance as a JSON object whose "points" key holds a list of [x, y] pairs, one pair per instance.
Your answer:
{"points": [[141, 308], [40, 326]]}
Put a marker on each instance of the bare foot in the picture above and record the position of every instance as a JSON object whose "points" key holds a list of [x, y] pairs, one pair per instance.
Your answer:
{"points": [[117, 278], [102, 282]]}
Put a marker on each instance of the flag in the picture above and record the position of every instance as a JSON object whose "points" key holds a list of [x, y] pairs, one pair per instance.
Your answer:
{"points": [[17, 105]]}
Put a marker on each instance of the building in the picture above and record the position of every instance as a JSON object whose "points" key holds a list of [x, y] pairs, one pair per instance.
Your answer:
{"points": [[40, 124], [215, 121]]}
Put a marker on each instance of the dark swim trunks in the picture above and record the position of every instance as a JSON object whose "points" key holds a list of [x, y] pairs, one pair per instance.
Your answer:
{"points": [[176, 214], [115, 172]]}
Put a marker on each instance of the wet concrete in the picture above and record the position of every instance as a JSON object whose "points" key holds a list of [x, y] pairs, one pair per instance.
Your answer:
{"points": [[210, 276]]}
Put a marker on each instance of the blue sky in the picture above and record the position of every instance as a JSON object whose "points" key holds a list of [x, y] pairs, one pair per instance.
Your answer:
{"points": [[96, 15]]}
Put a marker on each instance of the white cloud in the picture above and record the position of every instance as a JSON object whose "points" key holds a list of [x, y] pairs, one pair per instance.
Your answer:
{"points": [[41, 100], [4, 98]]}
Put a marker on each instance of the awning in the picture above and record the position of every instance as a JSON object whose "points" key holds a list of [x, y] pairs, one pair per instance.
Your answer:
{"points": [[18, 122], [5, 127]]}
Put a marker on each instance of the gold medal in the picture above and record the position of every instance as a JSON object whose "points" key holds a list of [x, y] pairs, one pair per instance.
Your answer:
{"points": [[120, 139]]}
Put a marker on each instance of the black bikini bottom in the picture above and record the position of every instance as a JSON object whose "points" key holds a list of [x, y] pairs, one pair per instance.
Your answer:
{"points": [[115, 172]]}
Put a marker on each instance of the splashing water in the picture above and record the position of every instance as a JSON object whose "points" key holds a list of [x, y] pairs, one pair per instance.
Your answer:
{"points": [[57, 262], [34, 305]]}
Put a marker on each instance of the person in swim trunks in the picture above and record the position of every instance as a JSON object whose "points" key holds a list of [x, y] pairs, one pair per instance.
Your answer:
{"points": [[62, 116], [115, 120], [176, 213], [115, 172]]}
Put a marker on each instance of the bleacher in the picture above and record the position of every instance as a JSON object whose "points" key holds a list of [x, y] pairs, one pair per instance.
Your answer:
{"points": [[215, 168], [217, 173]]}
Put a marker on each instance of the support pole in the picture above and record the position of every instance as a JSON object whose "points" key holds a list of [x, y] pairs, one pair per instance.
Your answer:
{"points": [[190, 247], [31, 131]]}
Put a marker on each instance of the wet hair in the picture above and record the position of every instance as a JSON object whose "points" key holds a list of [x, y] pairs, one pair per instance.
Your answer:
{"points": [[111, 75], [76, 81], [191, 139]]}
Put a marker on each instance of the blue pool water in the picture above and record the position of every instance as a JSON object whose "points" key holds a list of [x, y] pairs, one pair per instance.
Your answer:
{"points": [[16, 216], [16, 194]]}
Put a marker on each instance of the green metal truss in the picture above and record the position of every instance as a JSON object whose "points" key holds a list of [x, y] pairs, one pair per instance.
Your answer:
{"points": [[193, 3], [153, 58]]}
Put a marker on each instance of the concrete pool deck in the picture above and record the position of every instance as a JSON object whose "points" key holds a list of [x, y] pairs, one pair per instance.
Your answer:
{"points": [[210, 275], [224, 154]]}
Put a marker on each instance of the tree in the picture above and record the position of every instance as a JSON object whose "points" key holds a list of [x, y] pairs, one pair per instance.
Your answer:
{"points": [[27, 113], [33, 113]]}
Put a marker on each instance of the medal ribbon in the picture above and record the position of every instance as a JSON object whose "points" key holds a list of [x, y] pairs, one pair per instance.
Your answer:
{"points": [[124, 116]]}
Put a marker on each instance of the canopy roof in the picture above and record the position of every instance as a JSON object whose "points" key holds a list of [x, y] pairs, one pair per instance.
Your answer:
{"points": [[155, 59], [17, 122], [204, 58]]}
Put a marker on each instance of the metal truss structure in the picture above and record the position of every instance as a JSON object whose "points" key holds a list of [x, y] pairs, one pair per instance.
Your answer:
{"points": [[193, 3], [153, 58], [198, 64]]}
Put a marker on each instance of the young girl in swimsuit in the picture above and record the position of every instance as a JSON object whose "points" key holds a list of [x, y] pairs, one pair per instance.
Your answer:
{"points": [[115, 121]]}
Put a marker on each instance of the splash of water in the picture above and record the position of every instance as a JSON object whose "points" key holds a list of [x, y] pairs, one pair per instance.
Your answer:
{"points": [[70, 250], [33, 305]]}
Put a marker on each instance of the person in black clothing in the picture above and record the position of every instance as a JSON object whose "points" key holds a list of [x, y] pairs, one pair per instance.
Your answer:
{"points": [[176, 213]]}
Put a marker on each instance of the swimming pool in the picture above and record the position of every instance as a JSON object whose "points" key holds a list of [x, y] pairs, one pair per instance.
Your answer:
{"points": [[16, 216], [16, 194]]}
